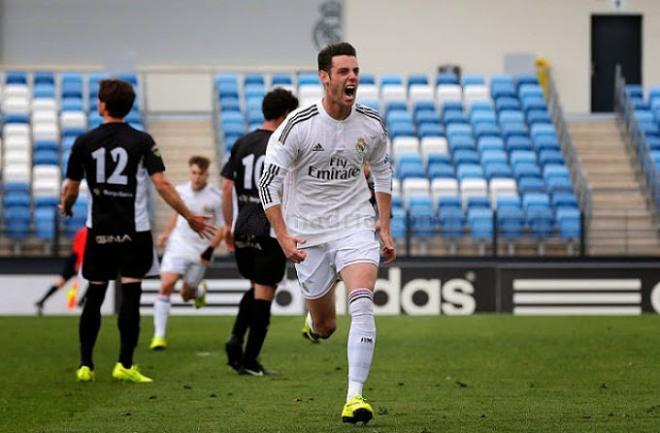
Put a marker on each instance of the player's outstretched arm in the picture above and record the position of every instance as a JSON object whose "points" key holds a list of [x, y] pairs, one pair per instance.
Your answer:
{"points": [[288, 243], [199, 223], [69, 196]]}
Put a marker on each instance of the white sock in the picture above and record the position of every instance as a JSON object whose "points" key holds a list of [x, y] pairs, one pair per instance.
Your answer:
{"points": [[361, 339], [161, 313]]}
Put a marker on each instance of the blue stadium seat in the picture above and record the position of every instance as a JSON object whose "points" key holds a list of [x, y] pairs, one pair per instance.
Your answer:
{"points": [[535, 117], [401, 129], [533, 103], [494, 156], [510, 223], [634, 90], [16, 199], [44, 90], [505, 103], [430, 130], [446, 78], [417, 79], [231, 117], [486, 130], [17, 118], [17, 223], [462, 156], [522, 157], [485, 144], [452, 222], [550, 157], [45, 145], [410, 170], [497, 170], [502, 90], [395, 105], [511, 116], [45, 157], [526, 170], [254, 91], [399, 116], [131, 77], [507, 201], [546, 143], [480, 222], [391, 79], [454, 117], [469, 171], [44, 77], [568, 224], [555, 170], [478, 117], [227, 89], [422, 220], [513, 130], [423, 106], [461, 142], [15, 77], [446, 202], [72, 104], [540, 221], [525, 79], [253, 78], [472, 79], [287, 80], [518, 143], [477, 202], [424, 117], [559, 184], [371, 103], [255, 116], [440, 170], [530, 90], [531, 185], [44, 223], [366, 78], [564, 200], [438, 158]]}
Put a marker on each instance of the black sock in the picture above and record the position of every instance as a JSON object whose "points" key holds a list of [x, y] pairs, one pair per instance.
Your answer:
{"points": [[243, 317], [258, 329], [128, 321], [90, 322], [48, 294]]}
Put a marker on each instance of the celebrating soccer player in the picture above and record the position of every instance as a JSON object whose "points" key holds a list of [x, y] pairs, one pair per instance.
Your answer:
{"points": [[330, 225]]}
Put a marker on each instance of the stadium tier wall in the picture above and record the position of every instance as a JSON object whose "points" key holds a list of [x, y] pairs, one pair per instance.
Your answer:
{"points": [[415, 287], [392, 36]]}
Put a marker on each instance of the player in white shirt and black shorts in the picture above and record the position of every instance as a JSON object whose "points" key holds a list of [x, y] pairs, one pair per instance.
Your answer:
{"points": [[187, 254], [117, 162], [327, 225], [258, 254]]}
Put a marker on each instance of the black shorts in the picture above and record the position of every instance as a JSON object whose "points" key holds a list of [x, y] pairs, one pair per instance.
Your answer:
{"points": [[108, 256], [69, 267], [261, 260]]}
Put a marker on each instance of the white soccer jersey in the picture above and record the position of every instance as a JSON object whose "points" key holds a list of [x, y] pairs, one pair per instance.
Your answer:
{"points": [[328, 195], [183, 240]]}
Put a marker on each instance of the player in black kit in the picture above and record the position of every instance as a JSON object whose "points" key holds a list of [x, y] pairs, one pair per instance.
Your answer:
{"points": [[258, 254], [117, 162]]}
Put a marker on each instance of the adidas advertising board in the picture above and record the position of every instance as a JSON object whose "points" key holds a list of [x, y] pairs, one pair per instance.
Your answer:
{"points": [[411, 288]]}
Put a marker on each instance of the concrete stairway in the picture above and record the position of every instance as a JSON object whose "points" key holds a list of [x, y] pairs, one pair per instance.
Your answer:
{"points": [[178, 140], [621, 222]]}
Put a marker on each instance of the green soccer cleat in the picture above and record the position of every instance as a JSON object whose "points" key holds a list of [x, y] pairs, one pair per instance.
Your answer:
{"points": [[158, 343], [132, 374], [200, 300], [357, 410], [85, 374], [308, 334]]}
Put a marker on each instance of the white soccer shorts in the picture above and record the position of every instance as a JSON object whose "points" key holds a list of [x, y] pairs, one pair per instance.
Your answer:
{"points": [[323, 263]]}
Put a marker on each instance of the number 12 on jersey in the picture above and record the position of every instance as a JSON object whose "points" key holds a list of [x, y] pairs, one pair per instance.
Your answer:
{"points": [[119, 157]]}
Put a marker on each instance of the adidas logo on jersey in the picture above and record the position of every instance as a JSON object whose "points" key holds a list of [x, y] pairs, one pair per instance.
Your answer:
{"points": [[317, 148]]}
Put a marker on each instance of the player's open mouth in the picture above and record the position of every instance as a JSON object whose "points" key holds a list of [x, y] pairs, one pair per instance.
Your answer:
{"points": [[350, 91]]}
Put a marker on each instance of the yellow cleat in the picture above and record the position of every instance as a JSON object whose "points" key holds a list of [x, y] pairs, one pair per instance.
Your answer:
{"points": [[308, 334], [357, 410], [158, 343], [85, 374], [200, 300], [132, 374]]}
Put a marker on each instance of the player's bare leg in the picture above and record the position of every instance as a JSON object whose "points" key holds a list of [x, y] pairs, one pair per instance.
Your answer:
{"points": [[321, 319]]}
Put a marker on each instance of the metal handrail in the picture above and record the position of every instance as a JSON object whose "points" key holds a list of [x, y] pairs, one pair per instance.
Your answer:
{"points": [[583, 189]]}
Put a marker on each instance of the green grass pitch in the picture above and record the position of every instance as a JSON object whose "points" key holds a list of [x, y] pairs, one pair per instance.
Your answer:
{"points": [[431, 374]]}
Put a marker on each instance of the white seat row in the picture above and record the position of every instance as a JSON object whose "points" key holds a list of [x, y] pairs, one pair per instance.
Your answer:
{"points": [[446, 187]]}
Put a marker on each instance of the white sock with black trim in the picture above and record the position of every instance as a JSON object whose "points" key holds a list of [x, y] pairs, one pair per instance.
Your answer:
{"points": [[361, 339]]}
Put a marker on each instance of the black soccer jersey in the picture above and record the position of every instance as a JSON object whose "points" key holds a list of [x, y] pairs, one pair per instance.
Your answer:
{"points": [[244, 167], [115, 159]]}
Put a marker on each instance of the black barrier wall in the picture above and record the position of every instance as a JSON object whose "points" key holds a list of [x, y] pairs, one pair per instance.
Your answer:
{"points": [[433, 286]]}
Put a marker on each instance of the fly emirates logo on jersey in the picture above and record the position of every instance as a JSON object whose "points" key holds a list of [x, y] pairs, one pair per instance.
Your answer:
{"points": [[338, 168]]}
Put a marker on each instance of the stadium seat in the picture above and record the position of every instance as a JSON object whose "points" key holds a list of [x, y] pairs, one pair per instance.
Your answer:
{"points": [[568, 224], [510, 223], [480, 222], [444, 78], [451, 221]]}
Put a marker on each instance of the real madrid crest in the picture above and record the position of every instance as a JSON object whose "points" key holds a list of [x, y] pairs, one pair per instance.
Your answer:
{"points": [[360, 145]]}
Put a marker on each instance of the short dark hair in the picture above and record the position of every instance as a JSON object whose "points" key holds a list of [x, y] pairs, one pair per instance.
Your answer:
{"points": [[339, 49], [118, 96], [200, 161], [277, 103]]}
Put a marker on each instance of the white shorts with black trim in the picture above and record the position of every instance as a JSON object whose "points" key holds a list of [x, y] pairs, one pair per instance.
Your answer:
{"points": [[320, 270]]}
